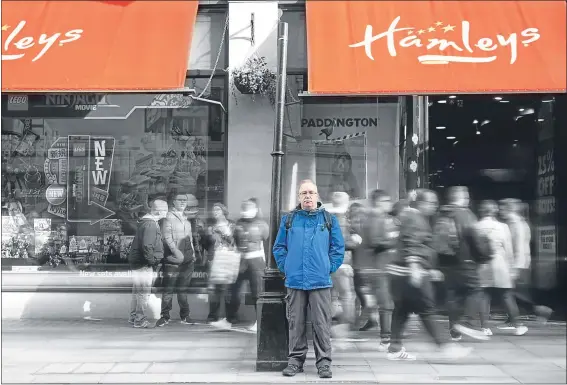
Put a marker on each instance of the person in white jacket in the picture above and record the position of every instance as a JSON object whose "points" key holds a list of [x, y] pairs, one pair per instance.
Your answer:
{"points": [[497, 275], [510, 212]]}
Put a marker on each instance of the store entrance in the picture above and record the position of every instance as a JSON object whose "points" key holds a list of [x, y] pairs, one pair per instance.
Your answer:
{"points": [[502, 146]]}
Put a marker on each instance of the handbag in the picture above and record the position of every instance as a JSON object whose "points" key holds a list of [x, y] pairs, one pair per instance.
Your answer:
{"points": [[225, 267]]}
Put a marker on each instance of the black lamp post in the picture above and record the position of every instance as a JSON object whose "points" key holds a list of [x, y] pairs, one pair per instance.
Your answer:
{"points": [[272, 322]]}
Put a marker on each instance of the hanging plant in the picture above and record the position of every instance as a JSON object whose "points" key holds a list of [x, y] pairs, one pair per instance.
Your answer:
{"points": [[255, 78]]}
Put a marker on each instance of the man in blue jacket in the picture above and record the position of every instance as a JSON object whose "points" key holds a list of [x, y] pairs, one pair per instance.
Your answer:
{"points": [[308, 249]]}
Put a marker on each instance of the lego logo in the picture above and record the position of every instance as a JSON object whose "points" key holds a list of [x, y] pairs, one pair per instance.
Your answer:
{"points": [[17, 103], [18, 99]]}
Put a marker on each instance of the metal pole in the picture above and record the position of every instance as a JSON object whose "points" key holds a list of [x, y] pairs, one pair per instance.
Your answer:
{"points": [[272, 340], [277, 153]]}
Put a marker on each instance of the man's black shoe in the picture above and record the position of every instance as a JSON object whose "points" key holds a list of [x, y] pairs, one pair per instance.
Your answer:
{"points": [[162, 322], [325, 372], [369, 325], [292, 370]]}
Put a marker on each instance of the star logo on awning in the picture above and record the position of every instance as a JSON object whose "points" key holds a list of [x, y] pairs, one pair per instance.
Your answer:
{"points": [[5, 27], [448, 28]]}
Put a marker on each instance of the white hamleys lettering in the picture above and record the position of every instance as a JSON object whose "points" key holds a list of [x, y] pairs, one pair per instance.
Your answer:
{"points": [[413, 38], [16, 44]]}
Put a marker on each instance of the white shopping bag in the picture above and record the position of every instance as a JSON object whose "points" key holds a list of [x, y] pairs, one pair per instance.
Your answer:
{"points": [[225, 267]]}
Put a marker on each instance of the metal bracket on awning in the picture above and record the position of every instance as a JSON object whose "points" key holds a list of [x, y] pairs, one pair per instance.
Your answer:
{"points": [[208, 101]]}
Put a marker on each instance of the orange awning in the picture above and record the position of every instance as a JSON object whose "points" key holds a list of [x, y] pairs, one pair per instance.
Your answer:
{"points": [[95, 45], [421, 47]]}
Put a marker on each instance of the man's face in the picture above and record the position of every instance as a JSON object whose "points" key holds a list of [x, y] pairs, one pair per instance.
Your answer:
{"points": [[429, 205], [308, 196], [159, 209], [383, 204], [463, 199], [180, 203]]}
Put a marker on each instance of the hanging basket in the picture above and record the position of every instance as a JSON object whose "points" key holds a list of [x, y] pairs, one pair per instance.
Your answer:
{"points": [[241, 87]]}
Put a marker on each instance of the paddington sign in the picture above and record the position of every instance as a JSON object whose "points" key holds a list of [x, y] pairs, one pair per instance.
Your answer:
{"points": [[339, 122]]}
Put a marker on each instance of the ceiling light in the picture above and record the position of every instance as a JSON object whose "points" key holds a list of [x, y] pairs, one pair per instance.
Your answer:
{"points": [[521, 110], [478, 132], [440, 127], [541, 120], [485, 122], [528, 111], [475, 121], [498, 98], [451, 137], [515, 140], [442, 101], [456, 141], [504, 101], [452, 97]]}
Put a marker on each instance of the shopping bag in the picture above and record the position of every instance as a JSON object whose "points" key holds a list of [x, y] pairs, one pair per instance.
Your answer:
{"points": [[225, 267]]}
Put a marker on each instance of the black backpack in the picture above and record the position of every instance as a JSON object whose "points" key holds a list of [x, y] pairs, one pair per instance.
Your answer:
{"points": [[291, 215]]}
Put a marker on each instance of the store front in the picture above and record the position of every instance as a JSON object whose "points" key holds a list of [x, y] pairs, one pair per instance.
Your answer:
{"points": [[136, 112], [454, 59]]}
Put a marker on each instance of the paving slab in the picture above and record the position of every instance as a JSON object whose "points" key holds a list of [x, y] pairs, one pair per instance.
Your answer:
{"points": [[59, 368], [486, 370], [130, 367], [66, 378], [94, 368]]}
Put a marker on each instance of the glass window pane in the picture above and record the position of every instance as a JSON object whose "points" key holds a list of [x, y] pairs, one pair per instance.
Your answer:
{"points": [[69, 161], [343, 144], [206, 42], [297, 37]]}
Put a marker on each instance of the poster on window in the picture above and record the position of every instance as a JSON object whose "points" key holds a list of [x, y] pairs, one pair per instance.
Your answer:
{"points": [[341, 166], [545, 258]]}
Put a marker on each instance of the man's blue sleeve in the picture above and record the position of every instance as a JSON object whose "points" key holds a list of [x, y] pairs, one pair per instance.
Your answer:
{"points": [[337, 245], [280, 245]]}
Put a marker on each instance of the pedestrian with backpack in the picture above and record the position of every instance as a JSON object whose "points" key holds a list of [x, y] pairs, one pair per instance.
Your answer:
{"points": [[309, 248]]}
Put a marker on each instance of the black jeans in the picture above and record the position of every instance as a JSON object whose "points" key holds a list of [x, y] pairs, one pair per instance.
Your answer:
{"points": [[463, 296], [176, 279], [508, 300], [410, 299], [251, 270], [217, 294]]}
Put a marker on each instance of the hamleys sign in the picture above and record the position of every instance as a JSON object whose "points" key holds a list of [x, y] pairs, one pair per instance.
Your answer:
{"points": [[435, 39], [18, 44], [433, 46]]}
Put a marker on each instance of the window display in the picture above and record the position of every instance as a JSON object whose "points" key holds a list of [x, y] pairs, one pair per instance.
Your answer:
{"points": [[78, 171]]}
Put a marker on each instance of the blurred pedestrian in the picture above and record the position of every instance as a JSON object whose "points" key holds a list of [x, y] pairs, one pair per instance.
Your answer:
{"points": [[179, 259], [145, 254], [496, 275], [250, 232], [411, 275]]}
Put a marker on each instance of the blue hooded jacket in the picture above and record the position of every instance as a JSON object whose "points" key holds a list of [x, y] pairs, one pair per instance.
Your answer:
{"points": [[308, 253]]}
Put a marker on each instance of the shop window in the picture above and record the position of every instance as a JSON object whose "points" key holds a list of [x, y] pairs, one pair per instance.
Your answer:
{"points": [[343, 144], [297, 37], [206, 42], [78, 171]]}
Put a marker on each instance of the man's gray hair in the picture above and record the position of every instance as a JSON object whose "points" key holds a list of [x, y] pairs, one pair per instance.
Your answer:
{"points": [[453, 192], [304, 181]]}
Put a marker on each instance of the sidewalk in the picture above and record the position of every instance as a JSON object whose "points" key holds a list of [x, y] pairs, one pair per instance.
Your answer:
{"points": [[113, 352]]}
